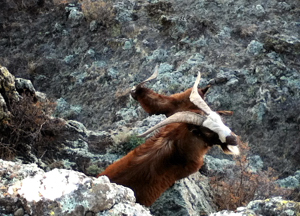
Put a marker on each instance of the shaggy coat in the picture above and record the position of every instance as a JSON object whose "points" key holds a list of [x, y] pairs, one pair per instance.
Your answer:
{"points": [[177, 150], [154, 103], [172, 154]]}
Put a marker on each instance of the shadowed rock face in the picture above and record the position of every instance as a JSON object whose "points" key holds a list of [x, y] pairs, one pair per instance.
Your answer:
{"points": [[193, 190], [75, 146]]}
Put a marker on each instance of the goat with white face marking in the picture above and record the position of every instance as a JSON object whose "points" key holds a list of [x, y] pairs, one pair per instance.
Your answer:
{"points": [[177, 150]]}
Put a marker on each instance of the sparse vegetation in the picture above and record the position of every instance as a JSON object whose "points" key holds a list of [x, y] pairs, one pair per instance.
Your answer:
{"points": [[245, 31], [239, 184], [29, 5], [159, 8], [30, 130], [25, 4], [125, 142], [94, 170], [101, 11], [57, 2]]}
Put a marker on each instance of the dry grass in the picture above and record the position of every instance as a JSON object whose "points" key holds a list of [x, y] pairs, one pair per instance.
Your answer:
{"points": [[30, 129], [124, 142], [101, 11], [246, 31], [58, 2], [241, 185]]}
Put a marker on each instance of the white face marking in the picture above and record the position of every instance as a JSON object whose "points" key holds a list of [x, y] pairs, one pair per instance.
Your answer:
{"points": [[214, 123]]}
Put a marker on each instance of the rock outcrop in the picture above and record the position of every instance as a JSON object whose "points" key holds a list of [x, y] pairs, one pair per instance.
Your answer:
{"points": [[273, 206], [190, 196], [7, 91], [26, 188]]}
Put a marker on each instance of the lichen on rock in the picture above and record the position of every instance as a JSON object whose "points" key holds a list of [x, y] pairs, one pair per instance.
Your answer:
{"points": [[8, 92], [63, 192]]}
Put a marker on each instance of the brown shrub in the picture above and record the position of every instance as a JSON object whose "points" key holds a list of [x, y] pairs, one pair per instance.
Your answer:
{"points": [[159, 8], [30, 130], [29, 5], [231, 191], [245, 31], [58, 2], [101, 11], [25, 3]]}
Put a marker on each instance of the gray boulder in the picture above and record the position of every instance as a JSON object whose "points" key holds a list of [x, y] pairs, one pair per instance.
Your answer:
{"points": [[26, 188], [291, 182], [7, 91], [24, 85], [274, 206], [190, 196]]}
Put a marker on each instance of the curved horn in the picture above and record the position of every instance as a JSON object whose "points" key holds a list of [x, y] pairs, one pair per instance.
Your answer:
{"points": [[153, 76], [196, 99], [213, 120], [179, 117]]}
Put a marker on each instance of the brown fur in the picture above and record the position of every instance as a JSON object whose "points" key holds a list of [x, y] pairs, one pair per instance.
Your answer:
{"points": [[154, 103], [174, 153]]}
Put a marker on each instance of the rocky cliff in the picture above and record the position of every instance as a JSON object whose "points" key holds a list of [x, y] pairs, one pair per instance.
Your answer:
{"points": [[86, 55]]}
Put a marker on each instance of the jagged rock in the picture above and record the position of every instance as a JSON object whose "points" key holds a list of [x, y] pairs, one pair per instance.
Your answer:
{"points": [[3, 108], [23, 85], [93, 25], [121, 209], [95, 141], [282, 43], [62, 192], [190, 196], [74, 14], [291, 182], [216, 165], [66, 110], [8, 91], [7, 83], [80, 147], [255, 47], [255, 163], [274, 206]]}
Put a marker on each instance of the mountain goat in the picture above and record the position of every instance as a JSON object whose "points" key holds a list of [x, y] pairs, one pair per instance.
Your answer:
{"points": [[178, 148]]}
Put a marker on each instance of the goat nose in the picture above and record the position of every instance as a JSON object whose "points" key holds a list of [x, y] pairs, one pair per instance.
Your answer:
{"points": [[232, 144], [232, 140]]}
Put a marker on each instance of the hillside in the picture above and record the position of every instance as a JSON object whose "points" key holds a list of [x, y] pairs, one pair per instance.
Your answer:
{"points": [[86, 56]]}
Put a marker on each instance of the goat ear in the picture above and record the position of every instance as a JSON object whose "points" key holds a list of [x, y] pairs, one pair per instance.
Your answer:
{"points": [[225, 112]]}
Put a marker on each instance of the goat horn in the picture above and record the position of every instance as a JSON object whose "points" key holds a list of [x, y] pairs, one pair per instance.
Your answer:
{"points": [[179, 117], [153, 76], [196, 99]]}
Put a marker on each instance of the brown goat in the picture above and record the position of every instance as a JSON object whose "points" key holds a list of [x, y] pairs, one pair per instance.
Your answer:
{"points": [[176, 151], [154, 103]]}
